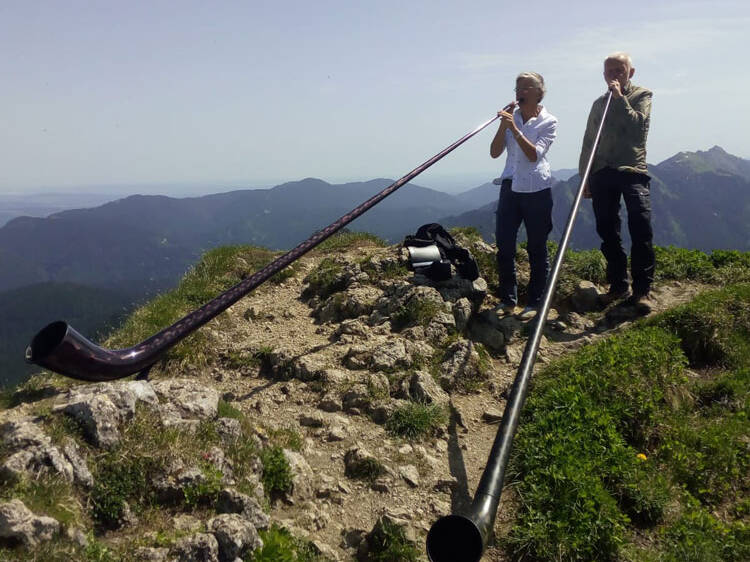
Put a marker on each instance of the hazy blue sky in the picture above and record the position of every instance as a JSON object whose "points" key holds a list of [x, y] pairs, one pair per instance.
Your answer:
{"points": [[99, 94]]}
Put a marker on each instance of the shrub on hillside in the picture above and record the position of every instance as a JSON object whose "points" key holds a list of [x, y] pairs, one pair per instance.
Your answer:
{"points": [[346, 240], [279, 545], [325, 280], [415, 420], [714, 328], [277, 474], [681, 263]]}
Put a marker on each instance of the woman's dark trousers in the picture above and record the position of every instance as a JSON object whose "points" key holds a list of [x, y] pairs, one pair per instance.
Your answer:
{"points": [[534, 210]]}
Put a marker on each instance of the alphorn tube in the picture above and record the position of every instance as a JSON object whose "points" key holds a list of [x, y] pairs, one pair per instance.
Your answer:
{"points": [[463, 537], [60, 348]]}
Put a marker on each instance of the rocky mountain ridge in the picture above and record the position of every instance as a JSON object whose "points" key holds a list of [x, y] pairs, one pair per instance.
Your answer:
{"points": [[327, 368]]}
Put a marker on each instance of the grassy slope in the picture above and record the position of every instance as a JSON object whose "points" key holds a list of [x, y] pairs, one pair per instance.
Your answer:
{"points": [[623, 453]]}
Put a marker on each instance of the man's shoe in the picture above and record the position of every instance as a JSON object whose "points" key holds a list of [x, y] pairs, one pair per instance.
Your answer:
{"points": [[613, 295], [528, 313], [642, 302]]}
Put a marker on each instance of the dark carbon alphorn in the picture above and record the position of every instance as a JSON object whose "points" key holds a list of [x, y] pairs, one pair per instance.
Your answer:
{"points": [[463, 538], [60, 348]]}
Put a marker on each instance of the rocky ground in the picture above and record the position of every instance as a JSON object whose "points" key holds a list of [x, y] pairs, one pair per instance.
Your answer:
{"points": [[329, 354]]}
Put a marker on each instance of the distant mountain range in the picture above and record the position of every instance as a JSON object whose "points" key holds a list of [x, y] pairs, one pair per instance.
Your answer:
{"points": [[117, 253], [699, 200]]}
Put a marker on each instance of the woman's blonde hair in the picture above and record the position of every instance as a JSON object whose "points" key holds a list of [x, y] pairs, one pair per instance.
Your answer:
{"points": [[538, 82]]}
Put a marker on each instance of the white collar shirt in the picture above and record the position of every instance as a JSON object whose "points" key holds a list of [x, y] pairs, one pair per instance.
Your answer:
{"points": [[528, 176]]}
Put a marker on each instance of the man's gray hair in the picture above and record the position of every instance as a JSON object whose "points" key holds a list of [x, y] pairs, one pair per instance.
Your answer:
{"points": [[620, 56], [538, 82]]}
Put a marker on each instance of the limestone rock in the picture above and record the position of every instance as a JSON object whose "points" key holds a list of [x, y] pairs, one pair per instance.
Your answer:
{"points": [[358, 396], [234, 534], [424, 388], [337, 433], [32, 452], [81, 473], [201, 547], [229, 429], [354, 302], [410, 474], [314, 419], [488, 329], [22, 433], [389, 356], [186, 399], [585, 297], [353, 328], [308, 367], [461, 365], [457, 288], [98, 417], [492, 415], [358, 460], [99, 408], [302, 478], [462, 310], [514, 353], [18, 523], [331, 402], [232, 501]]}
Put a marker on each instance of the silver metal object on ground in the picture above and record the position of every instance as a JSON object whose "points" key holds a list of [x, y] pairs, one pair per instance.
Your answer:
{"points": [[423, 256]]}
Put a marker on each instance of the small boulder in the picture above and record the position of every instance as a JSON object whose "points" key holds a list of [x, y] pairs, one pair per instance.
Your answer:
{"points": [[234, 534], [232, 501], [19, 524], [585, 297], [202, 547]]}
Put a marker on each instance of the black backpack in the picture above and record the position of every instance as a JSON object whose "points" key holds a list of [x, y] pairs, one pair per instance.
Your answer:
{"points": [[450, 253]]}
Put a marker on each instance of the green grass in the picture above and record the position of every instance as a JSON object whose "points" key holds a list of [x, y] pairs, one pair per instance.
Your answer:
{"points": [[226, 410], [287, 438], [388, 270], [62, 549], [146, 451], [709, 455], [277, 474], [205, 491], [346, 240], [487, 263], [119, 480], [47, 495], [416, 421], [615, 442], [217, 271], [279, 545], [325, 280], [36, 388], [681, 263], [714, 328], [415, 312], [369, 469], [388, 543], [696, 536], [468, 232]]}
